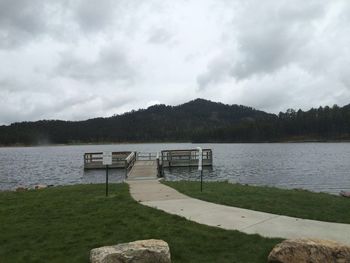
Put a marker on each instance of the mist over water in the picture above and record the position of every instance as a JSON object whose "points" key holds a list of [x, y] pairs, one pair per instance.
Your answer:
{"points": [[313, 166]]}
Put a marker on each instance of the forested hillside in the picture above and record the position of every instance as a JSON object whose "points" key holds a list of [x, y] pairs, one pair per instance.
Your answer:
{"points": [[198, 121], [322, 124]]}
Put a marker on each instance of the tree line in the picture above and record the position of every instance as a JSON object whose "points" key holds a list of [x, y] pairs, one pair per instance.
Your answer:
{"points": [[197, 121], [321, 124]]}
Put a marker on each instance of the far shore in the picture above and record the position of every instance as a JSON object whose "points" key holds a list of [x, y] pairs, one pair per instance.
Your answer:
{"points": [[176, 142]]}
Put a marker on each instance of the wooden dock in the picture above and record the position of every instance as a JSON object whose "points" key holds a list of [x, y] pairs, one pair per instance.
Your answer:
{"points": [[150, 165]]}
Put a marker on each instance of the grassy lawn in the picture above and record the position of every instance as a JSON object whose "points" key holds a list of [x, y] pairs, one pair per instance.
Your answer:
{"points": [[296, 203], [62, 224]]}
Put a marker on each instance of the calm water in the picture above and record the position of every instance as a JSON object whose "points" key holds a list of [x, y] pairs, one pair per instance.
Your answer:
{"points": [[313, 166]]}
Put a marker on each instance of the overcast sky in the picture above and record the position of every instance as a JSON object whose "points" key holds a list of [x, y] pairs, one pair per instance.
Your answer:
{"points": [[77, 59]]}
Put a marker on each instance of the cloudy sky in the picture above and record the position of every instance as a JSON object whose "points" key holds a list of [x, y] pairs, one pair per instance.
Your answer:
{"points": [[77, 59]]}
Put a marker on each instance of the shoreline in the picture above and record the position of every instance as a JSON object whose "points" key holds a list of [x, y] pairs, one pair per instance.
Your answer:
{"points": [[173, 142], [36, 186]]}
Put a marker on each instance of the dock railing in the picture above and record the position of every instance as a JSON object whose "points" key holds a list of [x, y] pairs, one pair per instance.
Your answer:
{"points": [[146, 156], [184, 158], [167, 158], [94, 160], [129, 162]]}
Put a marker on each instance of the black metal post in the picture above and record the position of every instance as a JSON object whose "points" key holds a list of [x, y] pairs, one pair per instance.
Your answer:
{"points": [[106, 180], [126, 169], [158, 168]]}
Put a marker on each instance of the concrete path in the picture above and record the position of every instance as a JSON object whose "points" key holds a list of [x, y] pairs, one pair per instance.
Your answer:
{"points": [[154, 194]]}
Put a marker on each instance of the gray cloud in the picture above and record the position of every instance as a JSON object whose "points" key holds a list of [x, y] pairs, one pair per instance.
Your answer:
{"points": [[159, 36], [23, 21], [10, 85], [75, 59], [217, 69], [61, 104], [92, 16], [20, 20], [111, 64], [290, 54], [267, 40], [274, 37]]}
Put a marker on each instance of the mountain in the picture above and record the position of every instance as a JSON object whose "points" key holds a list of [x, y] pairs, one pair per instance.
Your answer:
{"points": [[156, 123], [197, 121]]}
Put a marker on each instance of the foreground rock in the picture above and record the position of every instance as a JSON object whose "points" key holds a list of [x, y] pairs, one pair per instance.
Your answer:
{"points": [[40, 186], [309, 251], [21, 189], [142, 251]]}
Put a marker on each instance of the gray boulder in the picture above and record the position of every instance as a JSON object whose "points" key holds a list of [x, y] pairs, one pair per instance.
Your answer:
{"points": [[142, 251], [40, 186], [21, 189], [309, 251]]}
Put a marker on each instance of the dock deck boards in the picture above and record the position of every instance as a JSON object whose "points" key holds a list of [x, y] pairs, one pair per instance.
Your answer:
{"points": [[143, 170]]}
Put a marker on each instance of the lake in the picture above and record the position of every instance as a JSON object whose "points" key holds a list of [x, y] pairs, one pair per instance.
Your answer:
{"points": [[320, 167]]}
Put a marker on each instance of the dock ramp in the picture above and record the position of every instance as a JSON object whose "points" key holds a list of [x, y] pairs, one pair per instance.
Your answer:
{"points": [[143, 170]]}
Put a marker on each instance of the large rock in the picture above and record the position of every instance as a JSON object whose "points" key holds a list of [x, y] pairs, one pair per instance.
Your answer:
{"points": [[309, 251], [21, 189], [40, 186], [142, 251]]}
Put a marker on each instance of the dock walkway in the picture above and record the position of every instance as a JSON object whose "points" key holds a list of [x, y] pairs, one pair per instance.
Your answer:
{"points": [[143, 170], [154, 194]]}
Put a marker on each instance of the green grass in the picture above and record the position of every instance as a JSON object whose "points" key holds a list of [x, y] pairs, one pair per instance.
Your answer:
{"points": [[296, 203], [63, 224]]}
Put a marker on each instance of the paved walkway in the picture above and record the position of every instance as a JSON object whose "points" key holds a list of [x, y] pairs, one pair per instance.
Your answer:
{"points": [[154, 194]]}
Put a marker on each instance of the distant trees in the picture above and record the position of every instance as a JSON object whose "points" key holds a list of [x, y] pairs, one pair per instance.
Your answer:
{"points": [[316, 124], [197, 121]]}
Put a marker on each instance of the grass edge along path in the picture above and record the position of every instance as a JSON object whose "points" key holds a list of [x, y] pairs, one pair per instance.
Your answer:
{"points": [[295, 203], [62, 224]]}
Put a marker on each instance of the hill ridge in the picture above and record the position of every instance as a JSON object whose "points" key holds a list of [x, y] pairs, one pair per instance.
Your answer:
{"points": [[198, 120]]}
